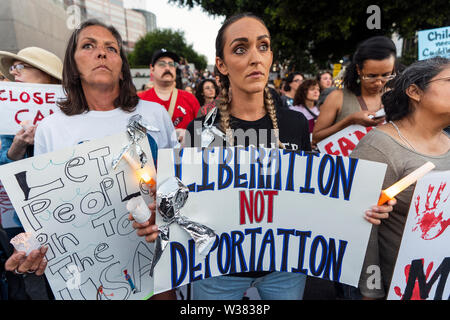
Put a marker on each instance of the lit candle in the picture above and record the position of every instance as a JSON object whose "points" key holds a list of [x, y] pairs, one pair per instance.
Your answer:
{"points": [[404, 183], [145, 173]]}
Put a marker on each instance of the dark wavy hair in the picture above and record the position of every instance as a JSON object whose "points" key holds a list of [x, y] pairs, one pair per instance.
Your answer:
{"points": [[374, 48], [320, 74], [75, 103], [396, 102], [302, 91], [290, 79], [199, 90]]}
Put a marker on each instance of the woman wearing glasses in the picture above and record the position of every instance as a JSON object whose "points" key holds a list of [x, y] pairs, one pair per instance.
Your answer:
{"points": [[293, 81], [373, 64], [32, 65], [417, 110]]}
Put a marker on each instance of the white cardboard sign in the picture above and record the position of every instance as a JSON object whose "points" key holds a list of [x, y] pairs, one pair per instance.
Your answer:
{"points": [[342, 143], [75, 203], [26, 101], [423, 262], [306, 217]]}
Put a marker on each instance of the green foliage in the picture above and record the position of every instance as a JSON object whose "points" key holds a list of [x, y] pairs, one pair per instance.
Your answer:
{"points": [[171, 41], [325, 31]]}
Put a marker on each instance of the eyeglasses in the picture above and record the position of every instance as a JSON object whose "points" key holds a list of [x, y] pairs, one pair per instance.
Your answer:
{"points": [[374, 78], [446, 78], [18, 67], [163, 64]]}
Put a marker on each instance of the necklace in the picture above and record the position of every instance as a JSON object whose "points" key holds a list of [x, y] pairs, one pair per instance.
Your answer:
{"points": [[401, 136]]}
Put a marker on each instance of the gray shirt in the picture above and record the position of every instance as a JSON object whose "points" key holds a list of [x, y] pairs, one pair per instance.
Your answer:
{"points": [[385, 239]]}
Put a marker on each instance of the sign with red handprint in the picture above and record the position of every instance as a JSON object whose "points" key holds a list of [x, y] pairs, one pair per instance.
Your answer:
{"points": [[423, 262], [430, 219]]}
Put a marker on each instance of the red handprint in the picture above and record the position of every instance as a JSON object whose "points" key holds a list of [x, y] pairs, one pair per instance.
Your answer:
{"points": [[430, 224], [416, 290]]}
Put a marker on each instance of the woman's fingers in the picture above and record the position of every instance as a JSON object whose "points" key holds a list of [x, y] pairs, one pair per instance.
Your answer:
{"points": [[15, 260]]}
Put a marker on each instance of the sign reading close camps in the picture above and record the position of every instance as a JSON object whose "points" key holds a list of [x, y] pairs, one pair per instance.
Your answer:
{"points": [[31, 102]]}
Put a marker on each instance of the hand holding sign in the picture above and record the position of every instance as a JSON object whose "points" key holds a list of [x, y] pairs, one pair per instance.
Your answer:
{"points": [[22, 139]]}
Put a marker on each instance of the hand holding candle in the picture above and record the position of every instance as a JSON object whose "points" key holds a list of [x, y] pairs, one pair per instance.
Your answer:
{"points": [[138, 209], [404, 183]]}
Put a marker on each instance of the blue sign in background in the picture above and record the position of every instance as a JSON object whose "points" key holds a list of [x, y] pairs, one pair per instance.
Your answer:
{"points": [[434, 42]]}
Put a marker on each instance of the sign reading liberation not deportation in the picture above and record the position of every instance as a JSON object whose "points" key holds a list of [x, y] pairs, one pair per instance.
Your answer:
{"points": [[74, 202], [434, 42], [271, 210]]}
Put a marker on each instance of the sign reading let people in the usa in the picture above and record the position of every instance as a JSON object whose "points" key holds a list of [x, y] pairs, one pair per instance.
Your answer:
{"points": [[271, 210], [434, 42]]}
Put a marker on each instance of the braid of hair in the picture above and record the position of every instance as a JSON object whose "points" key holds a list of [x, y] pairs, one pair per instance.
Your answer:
{"points": [[270, 108], [225, 115]]}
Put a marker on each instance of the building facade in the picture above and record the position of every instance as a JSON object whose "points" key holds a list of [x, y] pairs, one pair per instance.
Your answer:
{"points": [[49, 23], [27, 23]]}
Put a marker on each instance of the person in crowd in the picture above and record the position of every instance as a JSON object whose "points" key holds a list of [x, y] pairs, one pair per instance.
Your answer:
{"points": [[101, 95], [291, 84], [417, 111], [182, 106], [374, 63], [206, 93], [305, 101], [32, 65], [29, 65], [189, 88], [325, 79], [244, 57]]}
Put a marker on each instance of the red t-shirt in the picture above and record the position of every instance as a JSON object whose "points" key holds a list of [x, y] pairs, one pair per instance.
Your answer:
{"points": [[185, 110]]}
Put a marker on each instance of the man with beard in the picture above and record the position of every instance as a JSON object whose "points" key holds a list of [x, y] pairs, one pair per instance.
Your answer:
{"points": [[181, 105]]}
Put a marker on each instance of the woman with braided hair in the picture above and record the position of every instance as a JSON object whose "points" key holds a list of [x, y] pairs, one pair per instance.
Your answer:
{"points": [[245, 115]]}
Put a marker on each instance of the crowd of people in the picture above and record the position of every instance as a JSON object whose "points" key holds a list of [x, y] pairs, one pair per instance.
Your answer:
{"points": [[298, 112]]}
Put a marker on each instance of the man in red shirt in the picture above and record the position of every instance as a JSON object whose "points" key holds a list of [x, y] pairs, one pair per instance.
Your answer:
{"points": [[181, 105]]}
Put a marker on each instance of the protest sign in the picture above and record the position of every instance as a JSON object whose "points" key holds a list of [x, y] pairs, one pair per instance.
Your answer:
{"points": [[74, 202], [433, 43], [423, 262], [342, 143], [307, 217], [26, 101]]}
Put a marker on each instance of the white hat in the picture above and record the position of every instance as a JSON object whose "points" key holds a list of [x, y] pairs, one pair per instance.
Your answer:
{"points": [[39, 58]]}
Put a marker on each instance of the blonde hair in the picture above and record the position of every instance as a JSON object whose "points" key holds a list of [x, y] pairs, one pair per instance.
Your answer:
{"points": [[224, 111]]}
